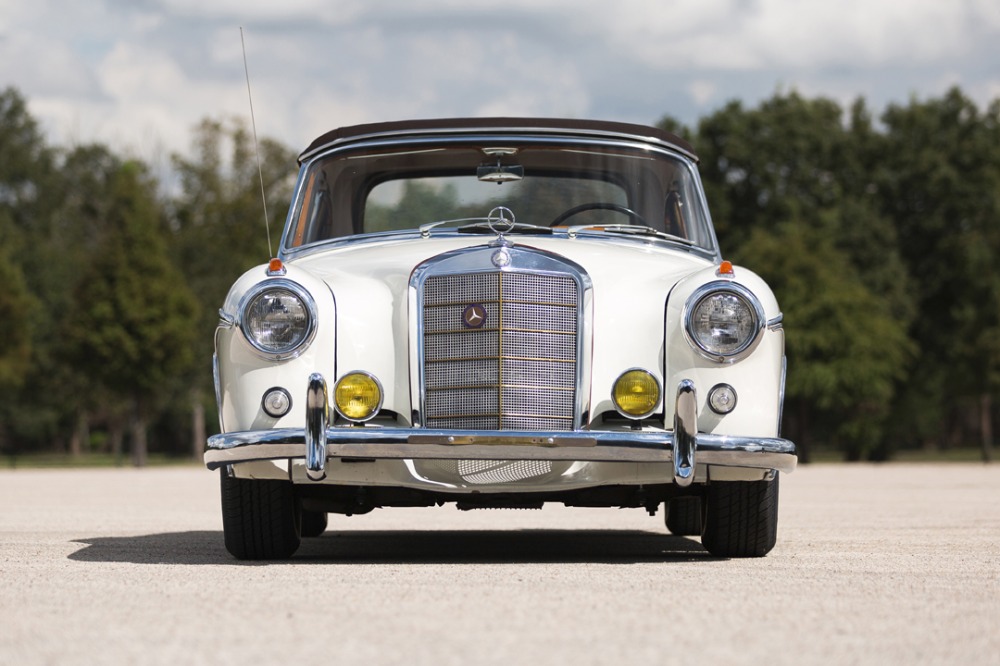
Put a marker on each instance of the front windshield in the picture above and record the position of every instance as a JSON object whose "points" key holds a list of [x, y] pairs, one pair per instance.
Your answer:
{"points": [[552, 185]]}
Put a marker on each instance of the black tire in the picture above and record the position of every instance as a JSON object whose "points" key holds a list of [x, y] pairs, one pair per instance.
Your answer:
{"points": [[741, 518], [261, 520], [314, 523], [683, 516]]}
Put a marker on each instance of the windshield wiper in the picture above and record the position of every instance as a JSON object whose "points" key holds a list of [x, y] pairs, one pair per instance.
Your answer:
{"points": [[425, 229], [509, 228], [630, 229]]}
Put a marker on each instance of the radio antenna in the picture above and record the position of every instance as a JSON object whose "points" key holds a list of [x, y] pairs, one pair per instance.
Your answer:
{"points": [[256, 148]]}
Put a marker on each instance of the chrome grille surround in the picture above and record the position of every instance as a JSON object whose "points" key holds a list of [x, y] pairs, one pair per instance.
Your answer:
{"points": [[522, 369]]}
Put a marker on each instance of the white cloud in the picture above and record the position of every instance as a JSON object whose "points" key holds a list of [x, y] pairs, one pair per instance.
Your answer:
{"points": [[702, 92], [731, 34], [132, 74]]}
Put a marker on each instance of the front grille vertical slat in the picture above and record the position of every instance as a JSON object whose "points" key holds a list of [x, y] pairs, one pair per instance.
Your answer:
{"points": [[518, 371]]}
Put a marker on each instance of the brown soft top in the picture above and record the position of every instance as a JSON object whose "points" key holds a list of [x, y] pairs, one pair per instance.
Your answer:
{"points": [[446, 126]]}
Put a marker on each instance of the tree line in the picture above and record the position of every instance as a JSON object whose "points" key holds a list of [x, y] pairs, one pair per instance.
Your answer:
{"points": [[878, 234]]}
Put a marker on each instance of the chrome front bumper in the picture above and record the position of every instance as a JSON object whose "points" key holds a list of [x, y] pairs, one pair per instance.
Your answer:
{"points": [[685, 447]]}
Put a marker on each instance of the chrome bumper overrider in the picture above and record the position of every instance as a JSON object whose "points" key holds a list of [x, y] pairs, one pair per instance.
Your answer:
{"points": [[684, 447]]}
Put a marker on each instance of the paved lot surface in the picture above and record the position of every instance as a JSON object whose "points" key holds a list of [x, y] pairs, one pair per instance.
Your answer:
{"points": [[874, 565]]}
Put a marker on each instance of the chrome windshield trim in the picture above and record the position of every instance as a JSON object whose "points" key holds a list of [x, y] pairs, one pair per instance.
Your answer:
{"points": [[486, 136], [500, 134], [333, 244]]}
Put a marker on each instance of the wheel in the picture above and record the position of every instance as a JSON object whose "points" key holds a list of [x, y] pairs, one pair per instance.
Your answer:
{"points": [[597, 205], [313, 523], [741, 518], [261, 520], [683, 516]]}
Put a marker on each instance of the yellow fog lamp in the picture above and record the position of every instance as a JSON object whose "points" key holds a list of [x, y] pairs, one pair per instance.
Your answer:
{"points": [[357, 396], [636, 394]]}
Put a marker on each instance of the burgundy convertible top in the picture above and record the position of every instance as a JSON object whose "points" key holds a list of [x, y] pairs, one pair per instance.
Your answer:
{"points": [[515, 125]]}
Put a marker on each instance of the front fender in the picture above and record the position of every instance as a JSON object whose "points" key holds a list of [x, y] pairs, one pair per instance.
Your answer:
{"points": [[758, 377]]}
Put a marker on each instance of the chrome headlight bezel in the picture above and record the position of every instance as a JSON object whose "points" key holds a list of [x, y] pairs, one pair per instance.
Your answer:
{"points": [[747, 297], [302, 342]]}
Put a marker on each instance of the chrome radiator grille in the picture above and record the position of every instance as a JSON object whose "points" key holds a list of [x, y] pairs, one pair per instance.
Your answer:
{"points": [[517, 371]]}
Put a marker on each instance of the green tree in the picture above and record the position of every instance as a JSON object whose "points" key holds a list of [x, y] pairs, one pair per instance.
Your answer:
{"points": [[132, 325], [28, 194], [939, 181], [15, 343], [21, 149], [846, 351], [793, 170], [218, 224], [79, 227]]}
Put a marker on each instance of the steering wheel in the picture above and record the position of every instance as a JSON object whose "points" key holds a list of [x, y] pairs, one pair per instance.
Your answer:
{"points": [[598, 205]]}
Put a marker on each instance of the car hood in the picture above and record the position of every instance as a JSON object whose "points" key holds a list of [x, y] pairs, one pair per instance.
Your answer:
{"points": [[370, 285], [622, 273]]}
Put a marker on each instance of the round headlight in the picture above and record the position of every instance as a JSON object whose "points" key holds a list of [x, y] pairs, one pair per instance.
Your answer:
{"points": [[723, 321], [357, 396], [278, 319], [636, 394]]}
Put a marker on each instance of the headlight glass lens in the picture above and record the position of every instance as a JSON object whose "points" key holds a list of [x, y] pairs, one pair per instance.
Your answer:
{"points": [[357, 396], [723, 323], [636, 394], [277, 321]]}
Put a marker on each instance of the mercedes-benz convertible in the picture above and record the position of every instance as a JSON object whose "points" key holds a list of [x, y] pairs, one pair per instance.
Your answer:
{"points": [[499, 313]]}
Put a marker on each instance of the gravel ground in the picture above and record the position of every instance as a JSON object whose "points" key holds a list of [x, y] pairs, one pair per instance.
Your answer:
{"points": [[874, 565]]}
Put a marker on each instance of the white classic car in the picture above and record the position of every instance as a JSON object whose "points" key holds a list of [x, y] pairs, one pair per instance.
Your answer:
{"points": [[499, 313]]}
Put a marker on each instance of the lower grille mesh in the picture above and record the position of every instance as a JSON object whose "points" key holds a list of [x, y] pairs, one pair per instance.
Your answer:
{"points": [[517, 370]]}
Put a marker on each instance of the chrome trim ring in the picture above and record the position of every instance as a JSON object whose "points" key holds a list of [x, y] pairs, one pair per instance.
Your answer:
{"points": [[712, 392], [720, 286], [276, 389]]}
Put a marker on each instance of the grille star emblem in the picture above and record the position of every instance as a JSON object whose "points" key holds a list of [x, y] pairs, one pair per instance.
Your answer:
{"points": [[474, 316], [501, 258]]}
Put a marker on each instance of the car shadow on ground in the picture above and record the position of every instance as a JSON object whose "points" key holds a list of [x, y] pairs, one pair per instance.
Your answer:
{"points": [[411, 547]]}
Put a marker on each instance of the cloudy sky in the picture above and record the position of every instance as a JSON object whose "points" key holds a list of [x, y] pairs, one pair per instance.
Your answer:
{"points": [[138, 74]]}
